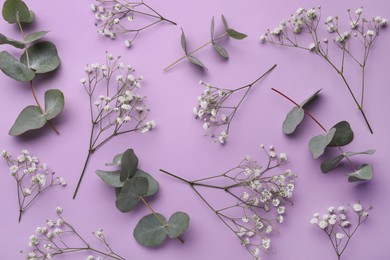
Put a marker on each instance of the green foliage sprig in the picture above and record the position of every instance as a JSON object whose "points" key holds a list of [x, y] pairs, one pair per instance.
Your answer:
{"points": [[338, 136], [37, 58], [133, 186], [214, 41]]}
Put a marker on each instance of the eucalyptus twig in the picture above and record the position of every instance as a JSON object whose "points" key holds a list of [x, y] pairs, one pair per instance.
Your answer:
{"points": [[119, 111], [307, 21], [213, 111], [51, 240], [251, 217], [32, 178], [111, 16], [337, 226]]}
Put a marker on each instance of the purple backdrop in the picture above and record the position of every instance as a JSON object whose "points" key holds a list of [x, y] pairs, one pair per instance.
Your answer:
{"points": [[177, 143]]}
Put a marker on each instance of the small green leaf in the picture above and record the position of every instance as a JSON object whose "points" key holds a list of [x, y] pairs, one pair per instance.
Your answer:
{"points": [[31, 19], [129, 164], [364, 173], [153, 184], [368, 152], [224, 22], [183, 41], [131, 193], [150, 231], [293, 119], [43, 57], [331, 164], [14, 10], [116, 161], [117, 192], [196, 62], [32, 37], [311, 98], [15, 43], [212, 29], [318, 143], [220, 50], [15, 69], [54, 103], [343, 135], [235, 35], [111, 178], [29, 119], [177, 224]]}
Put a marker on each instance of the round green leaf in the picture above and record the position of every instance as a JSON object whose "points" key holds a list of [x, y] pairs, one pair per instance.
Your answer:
{"points": [[15, 43], [129, 164], [196, 62], [177, 224], [32, 37], [116, 161], [153, 184], [150, 231], [220, 50], [331, 164], [311, 98], [364, 173], [14, 10], [31, 19], [15, 69], [293, 119], [318, 143], [43, 57], [30, 118], [343, 135], [235, 35], [54, 103], [131, 193], [110, 177], [117, 192]]}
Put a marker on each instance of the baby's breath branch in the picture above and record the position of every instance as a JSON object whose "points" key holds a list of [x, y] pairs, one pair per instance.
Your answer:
{"points": [[192, 52]]}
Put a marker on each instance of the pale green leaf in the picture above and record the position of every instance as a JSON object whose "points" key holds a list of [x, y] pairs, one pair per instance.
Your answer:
{"points": [[32, 37], [364, 173], [54, 103], [14, 68], [14, 10], [129, 164], [235, 35], [196, 62], [150, 231], [29, 119], [15, 43], [177, 224], [293, 119], [43, 57], [220, 50], [318, 143], [111, 178], [131, 193]]}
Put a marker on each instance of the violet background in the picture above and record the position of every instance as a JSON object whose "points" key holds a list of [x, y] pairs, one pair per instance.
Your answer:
{"points": [[177, 143]]}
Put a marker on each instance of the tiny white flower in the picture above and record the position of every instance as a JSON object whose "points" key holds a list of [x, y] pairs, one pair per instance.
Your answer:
{"points": [[127, 43], [314, 221], [266, 242], [323, 224], [83, 80], [59, 210], [262, 38], [62, 182], [357, 207], [359, 11], [245, 196], [370, 33], [339, 235]]}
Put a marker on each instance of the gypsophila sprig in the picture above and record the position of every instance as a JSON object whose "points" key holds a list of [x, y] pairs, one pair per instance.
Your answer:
{"points": [[338, 136], [340, 226], [32, 178], [116, 106], [133, 186], [361, 32], [214, 112], [58, 237], [228, 32], [122, 17], [37, 58], [257, 198]]}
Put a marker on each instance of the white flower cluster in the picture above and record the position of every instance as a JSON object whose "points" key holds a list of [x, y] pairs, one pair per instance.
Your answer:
{"points": [[124, 106]]}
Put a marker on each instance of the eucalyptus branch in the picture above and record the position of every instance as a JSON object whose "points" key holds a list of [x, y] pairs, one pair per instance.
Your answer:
{"points": [[32, 178], [338, 227], [213, 111], [117, 17], [119, 111], [51, 240], [364, 32], [251, 217]]}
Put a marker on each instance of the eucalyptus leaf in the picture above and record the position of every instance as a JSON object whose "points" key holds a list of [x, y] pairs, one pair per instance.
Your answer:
{"points": [[54, 103], [196, 62], [235, 35], [177, 224], [129, 164], [153, 184], [15, 43], [31, 19], [32, 37], [364, 173], [293, 119], [43, 57], [212, 29], [331, 164], [131, 193], [14, 10], [111, 178], [343, 135], [318, 143], [311, 98], [224, 22], [150, 231], [117, 192], [116, 161], [220, 50], [14, 68], [29, 119], [183, 41], [367, 152]]}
